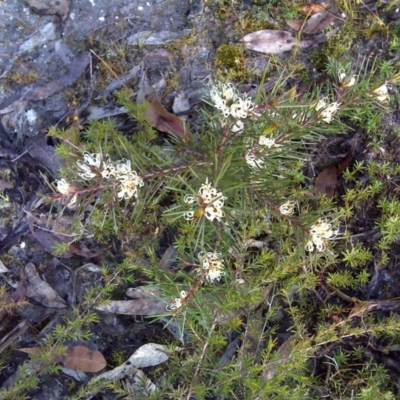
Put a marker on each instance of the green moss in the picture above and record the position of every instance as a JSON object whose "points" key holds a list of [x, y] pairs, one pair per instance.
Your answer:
{"points": [[337, 47], [230, 62]]}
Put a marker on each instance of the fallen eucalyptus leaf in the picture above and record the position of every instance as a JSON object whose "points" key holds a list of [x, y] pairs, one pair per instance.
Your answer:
{"points": [[157, 115], [51, 7], [44, 154], [145, 38], [39, 290], [78, 358], [149, 355], [83, 359], [147, 300], [296, 24], [311, 8], [318, 22], [327, 181], [273, 41]]}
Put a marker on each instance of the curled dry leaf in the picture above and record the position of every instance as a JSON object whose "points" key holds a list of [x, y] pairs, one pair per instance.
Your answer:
{"points": [[327, 181], [147, 300], [79, 358], [274, 42], [157, 115], [55, 232], [318, 22], [285, 350], [39, 290], [83, 359], [296, 24], [311, 8], [149, 355]]}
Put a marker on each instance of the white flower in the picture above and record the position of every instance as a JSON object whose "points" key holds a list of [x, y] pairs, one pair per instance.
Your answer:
{"points": [[329, 112], [381, 93], [238, 126], [345, 80], [253, 161], [207, 192], [108, 170], [87, 171], [267, 141], [226, 98], [63, 186], [72, 202], [321, 103], [318, 232], [123, 167], [212, 212], [211, 202], [240, 108], [65, 189], [129, 185], [213, 264], [177, 303], [188, 215], [94, 159], [189, 199], [287, 208]]}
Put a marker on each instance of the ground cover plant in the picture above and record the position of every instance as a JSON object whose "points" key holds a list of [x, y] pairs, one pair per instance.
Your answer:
{"points": [[257, 241]]}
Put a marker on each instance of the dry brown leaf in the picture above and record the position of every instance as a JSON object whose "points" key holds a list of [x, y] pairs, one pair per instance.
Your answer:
{"points": [[50, 233], [79, 358], [270, 369], [30, 350], [82, 358], [318, 22], [51, 7], [148, 355], [147, 300], [296, 24], [157, 115], [311, 8], [5, 185], [39, 290], [273, 41], [327, 180], [43, 154]]}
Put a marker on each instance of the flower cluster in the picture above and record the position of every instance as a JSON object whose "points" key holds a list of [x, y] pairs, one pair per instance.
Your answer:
{"points": [[65, 189], [212, 265], [381, 93], [318, 233], [211, 202], [328, 111], [263, 142], [287, 208], [177, 303], [119, 173], [226, 98], [345, 81]]}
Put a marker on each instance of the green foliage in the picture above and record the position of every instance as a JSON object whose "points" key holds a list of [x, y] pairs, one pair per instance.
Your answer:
{"points": [[259, 254]]}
